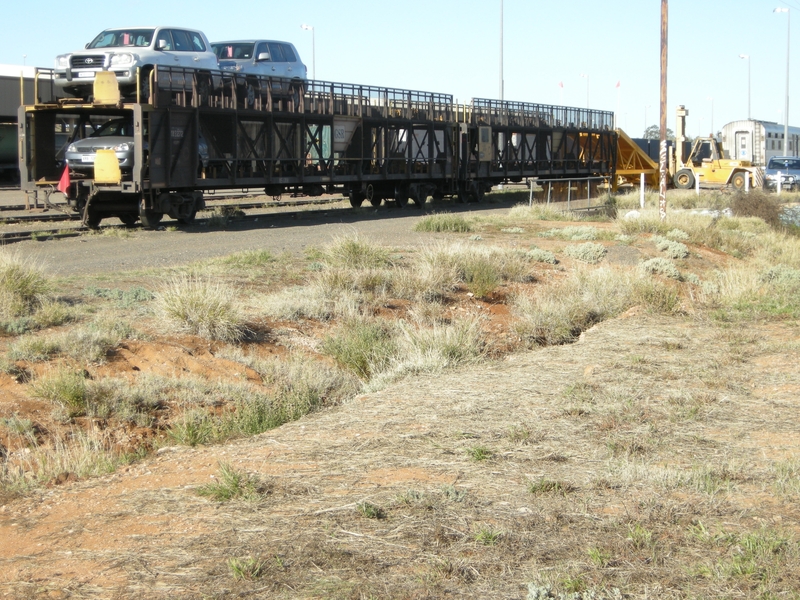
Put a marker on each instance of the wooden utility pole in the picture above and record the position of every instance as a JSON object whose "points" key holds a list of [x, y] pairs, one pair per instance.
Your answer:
{"points": [[662, 192]]}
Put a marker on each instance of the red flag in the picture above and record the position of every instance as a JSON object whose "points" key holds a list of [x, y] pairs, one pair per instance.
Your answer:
{"points": [[561, 84], [617, 84], [63, 183]]}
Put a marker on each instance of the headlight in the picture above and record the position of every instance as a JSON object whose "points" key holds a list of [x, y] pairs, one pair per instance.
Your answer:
{"points": [[72, 148], [121, 59], [62, 61], [123, 147]]}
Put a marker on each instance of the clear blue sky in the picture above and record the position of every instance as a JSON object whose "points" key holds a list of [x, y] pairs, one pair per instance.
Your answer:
{"points": [[453, 47]]}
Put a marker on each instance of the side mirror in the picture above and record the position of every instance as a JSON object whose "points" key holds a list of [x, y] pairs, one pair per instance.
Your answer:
{"points": [[262, 56], [86, 45], [161, 44]]}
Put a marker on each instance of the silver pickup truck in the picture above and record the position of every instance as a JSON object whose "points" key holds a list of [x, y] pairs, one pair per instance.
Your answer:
{"points": [[132, 50]]}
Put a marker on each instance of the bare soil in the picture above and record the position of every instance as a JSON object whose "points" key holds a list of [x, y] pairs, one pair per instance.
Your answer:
{"points": [[638, 459]]}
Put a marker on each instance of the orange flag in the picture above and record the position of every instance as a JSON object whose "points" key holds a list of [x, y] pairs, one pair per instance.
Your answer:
{"points": [[63, 183]]}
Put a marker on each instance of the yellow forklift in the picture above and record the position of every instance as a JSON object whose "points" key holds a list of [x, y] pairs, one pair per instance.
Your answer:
{"points": [[705, 163]]}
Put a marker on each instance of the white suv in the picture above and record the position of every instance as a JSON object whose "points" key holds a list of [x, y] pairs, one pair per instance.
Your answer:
{"points": [[125, 50], [262, 58]]}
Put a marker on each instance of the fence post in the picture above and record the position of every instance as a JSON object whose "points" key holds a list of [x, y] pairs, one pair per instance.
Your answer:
{"points": [[697, 184], [747, 183], [641, 190], [569, 192], [780, 180]]}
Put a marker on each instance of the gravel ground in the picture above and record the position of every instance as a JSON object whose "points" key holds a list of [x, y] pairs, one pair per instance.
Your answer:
{"points": [[281, 230]]}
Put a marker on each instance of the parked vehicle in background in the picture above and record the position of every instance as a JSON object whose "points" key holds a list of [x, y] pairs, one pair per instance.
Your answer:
{"points": [[789, 169], [131, 51], [117, 135], [262, 58]]}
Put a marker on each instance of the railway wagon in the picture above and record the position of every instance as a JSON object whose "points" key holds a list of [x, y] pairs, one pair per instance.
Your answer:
{"points": [[758, 141], [373, 144]]}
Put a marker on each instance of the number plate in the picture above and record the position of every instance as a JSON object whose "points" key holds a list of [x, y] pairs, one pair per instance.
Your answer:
{"points": [[87, 158], [86, 74]]}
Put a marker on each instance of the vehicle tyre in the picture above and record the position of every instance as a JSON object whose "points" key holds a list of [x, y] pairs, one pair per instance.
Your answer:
{"points": [[295, 89], [92, 219], [145, 85], [684, 179], [128, 219], [150, 218], [737, 181], [356, 198], [188, 218], [249, 95], [417, 198], [203, 89], [401, 196]]}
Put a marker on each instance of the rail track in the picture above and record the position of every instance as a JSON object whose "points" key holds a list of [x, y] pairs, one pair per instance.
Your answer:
{"points": [[59, 214]]}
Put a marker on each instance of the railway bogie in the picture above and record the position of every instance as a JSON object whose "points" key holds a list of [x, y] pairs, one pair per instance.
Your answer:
{"points": [[372, 144]]}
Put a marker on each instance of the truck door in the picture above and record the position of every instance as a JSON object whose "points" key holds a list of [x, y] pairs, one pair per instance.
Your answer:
{"points": [[744, 146]]}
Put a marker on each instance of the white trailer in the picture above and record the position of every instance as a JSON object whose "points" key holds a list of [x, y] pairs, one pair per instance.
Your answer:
{"points": [[758, 141]]}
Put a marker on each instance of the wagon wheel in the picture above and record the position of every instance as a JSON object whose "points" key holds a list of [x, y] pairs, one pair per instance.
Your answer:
{"points": [[684, 179]]}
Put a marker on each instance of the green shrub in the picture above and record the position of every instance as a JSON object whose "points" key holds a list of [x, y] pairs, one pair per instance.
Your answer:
{"points": [[364, 347], [671, 248], [248, 259], [446, 222], [661, 266], [65, 387], [248, 569], [589, 252], [122, 298], [543, 256], [231, 484]]}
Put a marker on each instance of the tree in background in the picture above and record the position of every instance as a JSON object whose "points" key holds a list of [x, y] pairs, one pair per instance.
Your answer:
{"points": [[653, 133]]}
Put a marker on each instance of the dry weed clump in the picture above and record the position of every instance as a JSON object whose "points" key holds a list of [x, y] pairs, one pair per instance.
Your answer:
{"points": [[758, 203], [481, 268], [558, 314], [202, 307], [23, 285], [539, 212], [355, 252], [437, 223], [431, 348], [78, 453]]}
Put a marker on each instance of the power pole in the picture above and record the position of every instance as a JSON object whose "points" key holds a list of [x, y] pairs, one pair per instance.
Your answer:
{"points": [[662, 192]]}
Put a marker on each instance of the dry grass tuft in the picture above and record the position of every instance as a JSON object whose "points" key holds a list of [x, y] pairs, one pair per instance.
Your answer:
{"points": [[201, 306]]}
